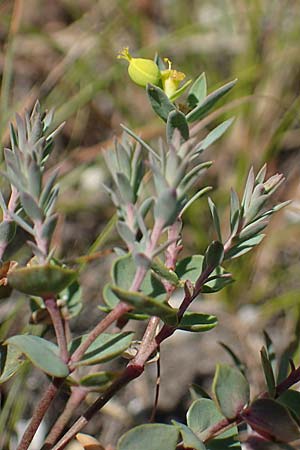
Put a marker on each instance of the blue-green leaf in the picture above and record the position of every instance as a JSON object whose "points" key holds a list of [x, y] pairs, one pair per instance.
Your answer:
{"points": [[215, 134], [149, 437], [209, 102], [198, 91], [104, 348], [190, 269], [42, 353], [197, 322], [177, 121], [160, 103], [189, 439], [231, 390], [144, 304]]}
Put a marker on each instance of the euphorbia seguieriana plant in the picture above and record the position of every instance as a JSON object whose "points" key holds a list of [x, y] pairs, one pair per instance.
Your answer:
{"points": [[151, 189]]}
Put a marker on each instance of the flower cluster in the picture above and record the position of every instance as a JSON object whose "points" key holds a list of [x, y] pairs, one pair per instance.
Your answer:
{"points": [[146, 71]]}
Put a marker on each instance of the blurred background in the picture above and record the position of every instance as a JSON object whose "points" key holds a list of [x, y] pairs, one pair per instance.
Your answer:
{"points": [[64, 53]]}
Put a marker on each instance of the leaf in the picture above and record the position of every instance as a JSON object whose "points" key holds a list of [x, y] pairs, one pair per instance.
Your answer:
{"points": [[167, 274], [272, 420], [198, 91], [235, 213], [253, 229], [214, 255], [197, 322], [203, 415], [268, 372], [7, 231], [11, 360], [270, 349], [43, 354], [149, 437], [190, 440], [231, 390], [180, 91], [41, 280], [147, 305], [177, 121], [111, 300], [104, 348], [98, 379], [125, 188], [166, 207], [35, 177], [190, 269], [125, 232], [215, 217], [31, 207], [291, 399], [160, 103], [21, 222], [140, 141], [209, 102], [215, 134], [123, 272], [49, 226], [244, 247]]}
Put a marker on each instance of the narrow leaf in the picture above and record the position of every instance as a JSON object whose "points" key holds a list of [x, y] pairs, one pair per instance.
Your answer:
{"points": [[198, 91], [209, 102], [147, 305], [31, 207], [268, 372], [125, 189], [166, 207], [215, 134], [215, 217]]}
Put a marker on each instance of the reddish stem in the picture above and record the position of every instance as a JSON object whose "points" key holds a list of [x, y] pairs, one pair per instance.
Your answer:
{"points": [[129, 374], [39, 413], [111, 317], [53, 309], [76, 397]]}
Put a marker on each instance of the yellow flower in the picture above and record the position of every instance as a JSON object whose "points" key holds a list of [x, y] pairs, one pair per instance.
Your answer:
{"points": [[141, 71], [171, 79]]}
